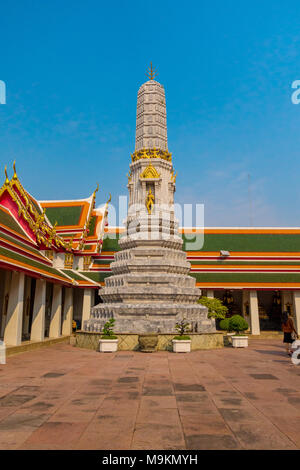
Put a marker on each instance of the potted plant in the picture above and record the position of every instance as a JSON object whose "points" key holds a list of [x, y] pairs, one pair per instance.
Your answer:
{"points": [[108, 341], [182, 342], [238, 324], [224, 325]]}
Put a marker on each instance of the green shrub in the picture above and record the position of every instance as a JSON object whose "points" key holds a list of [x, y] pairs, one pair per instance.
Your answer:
{"points": [[182, 327], [216, 309], [108, 332], [224, 324], [238, 323], [184, 337]]}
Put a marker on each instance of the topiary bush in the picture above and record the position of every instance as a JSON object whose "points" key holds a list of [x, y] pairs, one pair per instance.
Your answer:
{"points": [[182, 328], [224, 324], [107, 332], [237, 323]]}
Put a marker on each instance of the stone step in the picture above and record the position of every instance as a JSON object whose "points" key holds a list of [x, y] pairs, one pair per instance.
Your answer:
{"points": [[151, 280]]}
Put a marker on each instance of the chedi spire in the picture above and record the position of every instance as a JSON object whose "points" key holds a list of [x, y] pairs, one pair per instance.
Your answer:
{"points": [[151, 116]]}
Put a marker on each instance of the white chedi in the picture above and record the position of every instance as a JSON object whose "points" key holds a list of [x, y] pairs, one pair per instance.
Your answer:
{"points": [[150, 288]]}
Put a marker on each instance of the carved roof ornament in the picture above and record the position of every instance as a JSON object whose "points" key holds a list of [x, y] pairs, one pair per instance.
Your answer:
{"points": [[151, 73], [15, 177], [6, 176], [94, 196], [150, 172], [44, 232], [151, 153], [129, 176], [173, 176]]}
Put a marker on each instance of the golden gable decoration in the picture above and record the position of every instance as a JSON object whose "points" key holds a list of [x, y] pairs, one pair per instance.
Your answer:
{"points": [[45, 233], [69, 258], [151, 153], [149, 172], [86, 262]]}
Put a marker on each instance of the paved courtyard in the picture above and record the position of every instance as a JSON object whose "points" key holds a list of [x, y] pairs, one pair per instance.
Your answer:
{"points": [[63, 397]]}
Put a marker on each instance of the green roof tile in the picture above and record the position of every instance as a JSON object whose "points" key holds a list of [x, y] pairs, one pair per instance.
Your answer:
{"points": [[65, 215]]}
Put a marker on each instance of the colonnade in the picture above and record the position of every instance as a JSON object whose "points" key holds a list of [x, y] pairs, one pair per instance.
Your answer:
{"points": [[15, 303], [250, 298]]}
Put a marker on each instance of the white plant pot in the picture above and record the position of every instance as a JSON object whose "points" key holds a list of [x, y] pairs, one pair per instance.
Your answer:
{"points": [[240, 341], [181, 345], [108, 345]]}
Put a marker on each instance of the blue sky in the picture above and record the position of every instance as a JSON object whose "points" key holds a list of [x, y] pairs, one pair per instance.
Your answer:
{"points": [[72, 71]]}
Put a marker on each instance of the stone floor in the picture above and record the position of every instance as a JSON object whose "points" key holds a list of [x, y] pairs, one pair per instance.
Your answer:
{"points": [[63, 397]]}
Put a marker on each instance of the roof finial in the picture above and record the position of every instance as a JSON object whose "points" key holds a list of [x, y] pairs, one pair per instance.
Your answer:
{"points": [[151, 72], [15, 173], [6, 177]]}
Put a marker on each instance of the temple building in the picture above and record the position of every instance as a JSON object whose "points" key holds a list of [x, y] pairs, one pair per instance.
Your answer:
{"points": [[59, 260], [254, 271], [46, 250]]}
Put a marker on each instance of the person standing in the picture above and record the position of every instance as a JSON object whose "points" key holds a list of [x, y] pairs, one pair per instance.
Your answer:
{"points": [[288, 328]]}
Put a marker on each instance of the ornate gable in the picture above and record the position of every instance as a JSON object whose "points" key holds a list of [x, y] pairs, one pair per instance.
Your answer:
{"points": [[29, 214], [150, 172]]}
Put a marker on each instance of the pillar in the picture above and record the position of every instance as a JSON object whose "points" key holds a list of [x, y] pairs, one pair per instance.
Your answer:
{"points": [[254, 316], [68, 312], [4, 306], [296, 308], [246, 305], [26, 307], [210, 294], [14, 317], [39, 311], [87, 304], [55, 319]]}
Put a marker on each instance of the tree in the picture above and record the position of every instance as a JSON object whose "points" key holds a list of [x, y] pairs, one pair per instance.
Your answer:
{"points": [[108, 332], [216, 309], [238, 323]]}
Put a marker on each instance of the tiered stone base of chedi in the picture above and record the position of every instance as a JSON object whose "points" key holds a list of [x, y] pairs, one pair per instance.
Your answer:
{"points": [[150, 289]]}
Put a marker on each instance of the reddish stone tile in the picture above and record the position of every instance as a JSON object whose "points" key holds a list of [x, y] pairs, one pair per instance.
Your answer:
{"points": [[158, 402], [290, 426], [130, 400], [212, 442], [186, 409], [10, 440], [59, 433], [152, 436], [260, 436], [158, 416], [212, 424]]}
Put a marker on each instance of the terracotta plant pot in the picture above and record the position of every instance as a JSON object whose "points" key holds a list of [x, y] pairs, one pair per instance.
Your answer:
{"points": [[148, 342]]}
